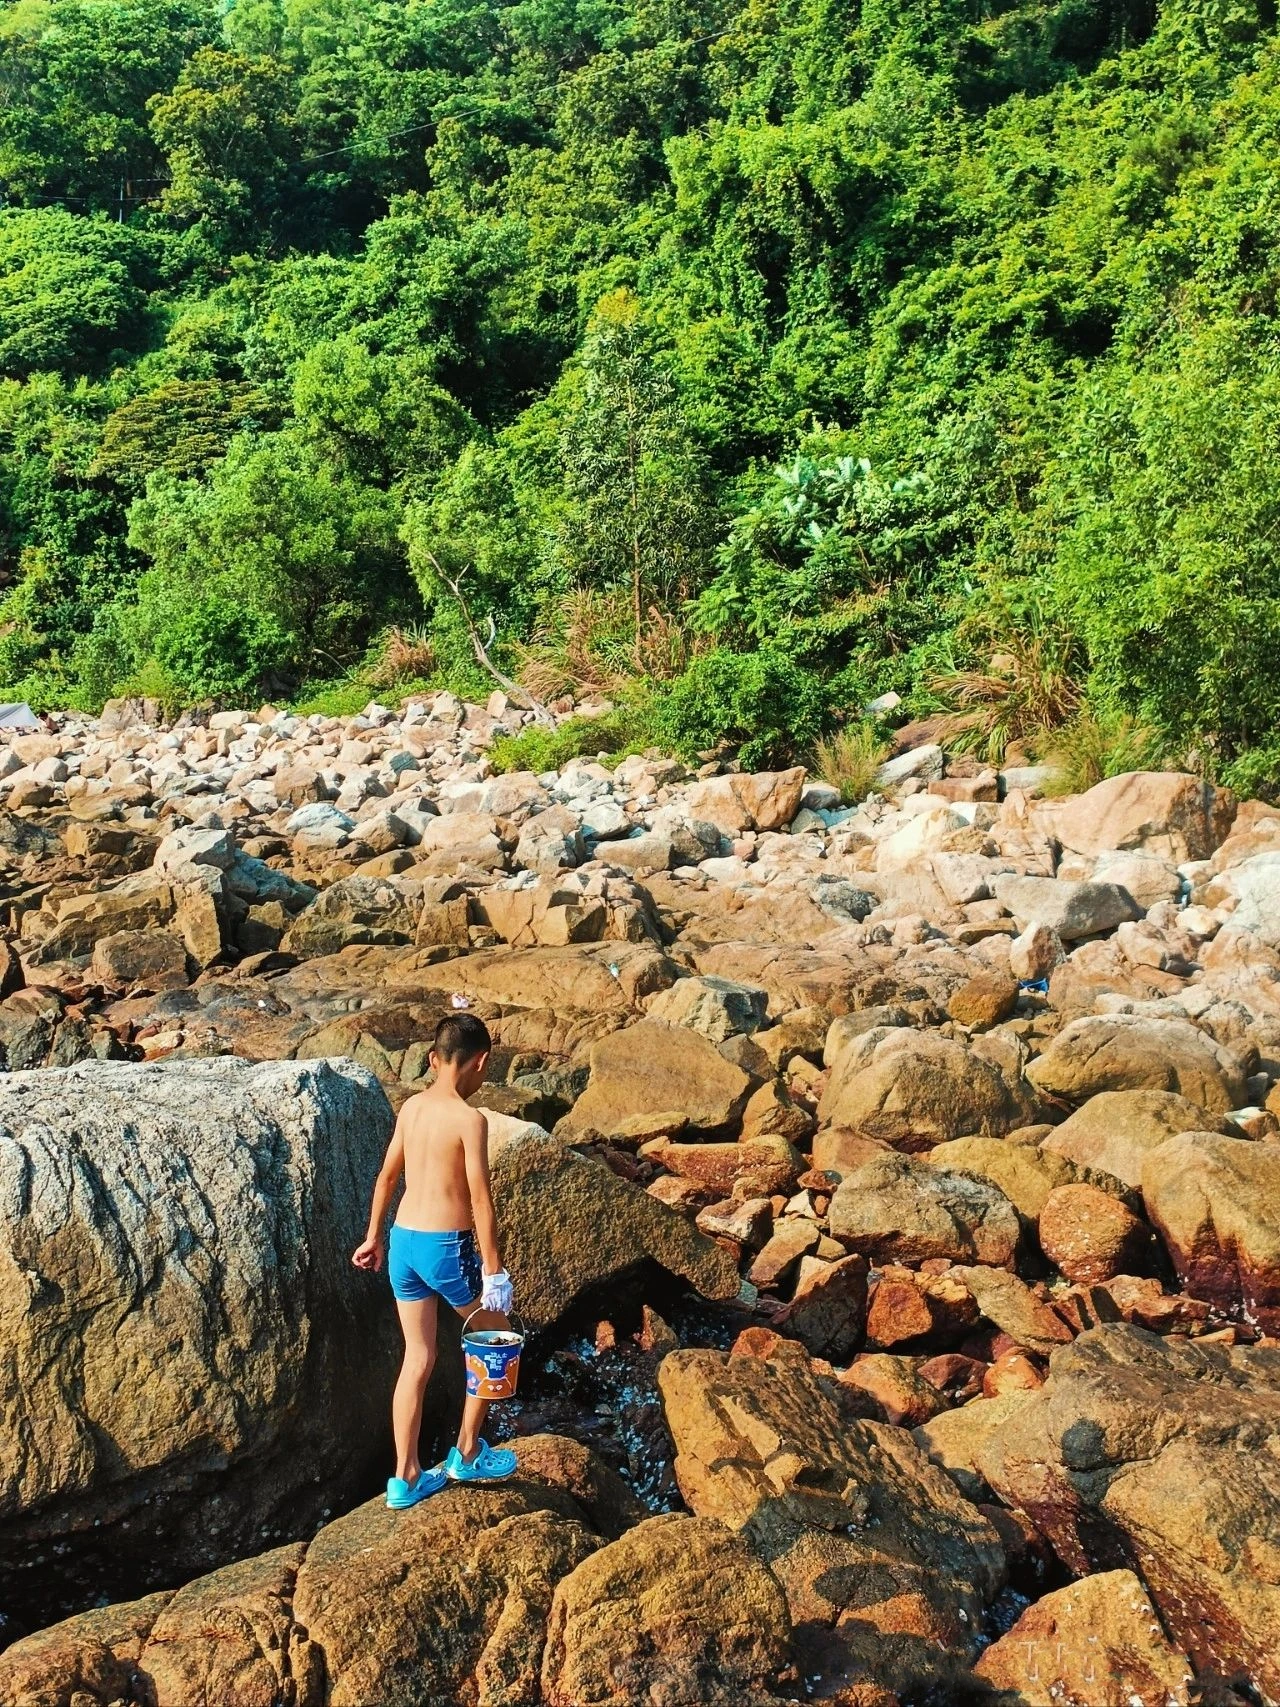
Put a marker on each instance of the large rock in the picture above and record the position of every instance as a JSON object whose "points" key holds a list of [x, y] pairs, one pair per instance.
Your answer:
{"points": [[893, 1209], [716, 1007], [765, 800], [612, 976], [654, 1078], [1131, 1052], [1114, 1131], [885, 1567], [188, 1360], [448, 1602], [1095, 1643], [1070, 910], [1215, 1202], [1252, 891], [678, 1610], [569, 1223], [355, 910], [1163, 1456], [1025, 1173], [1092, 1237], [1164, 813], [916, 1088]]}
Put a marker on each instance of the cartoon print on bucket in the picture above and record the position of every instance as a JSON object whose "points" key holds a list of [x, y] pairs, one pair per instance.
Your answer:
{"points": [[491, 1357]]}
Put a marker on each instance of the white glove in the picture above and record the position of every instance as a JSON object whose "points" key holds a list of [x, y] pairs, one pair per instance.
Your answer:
{"points": [[496, 1294]]}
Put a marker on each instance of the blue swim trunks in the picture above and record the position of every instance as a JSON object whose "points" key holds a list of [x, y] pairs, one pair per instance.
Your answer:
{"points": [[447, 1264]]}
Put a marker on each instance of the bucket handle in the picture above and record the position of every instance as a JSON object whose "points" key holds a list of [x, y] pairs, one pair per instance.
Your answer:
{"points": [[513, 1316]]}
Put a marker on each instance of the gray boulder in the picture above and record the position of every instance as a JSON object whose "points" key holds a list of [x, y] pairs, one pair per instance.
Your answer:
{"points": [[188, 1360]]}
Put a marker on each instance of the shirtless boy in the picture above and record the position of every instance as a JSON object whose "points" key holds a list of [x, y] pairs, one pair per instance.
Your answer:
{"points": [[441, 1147]]}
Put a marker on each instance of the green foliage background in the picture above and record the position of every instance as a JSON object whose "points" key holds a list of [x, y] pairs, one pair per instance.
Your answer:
{"points": [[763, 355]]}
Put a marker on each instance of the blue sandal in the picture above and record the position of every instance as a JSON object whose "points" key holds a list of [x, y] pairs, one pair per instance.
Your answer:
{"points": [[490, 1464], [401, 1494]]}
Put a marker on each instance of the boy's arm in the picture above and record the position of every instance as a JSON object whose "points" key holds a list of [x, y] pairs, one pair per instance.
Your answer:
{"points": [[369, 1254], [475, 1149]]}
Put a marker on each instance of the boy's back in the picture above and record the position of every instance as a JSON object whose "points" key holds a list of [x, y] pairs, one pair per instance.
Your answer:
{"points": [[436, 1126]]}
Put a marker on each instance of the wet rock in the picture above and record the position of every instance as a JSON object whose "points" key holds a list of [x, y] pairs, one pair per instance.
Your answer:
{"points": [[570, 1223], [207, 1254], [1161, 1454], [655, 1077], [916, 1088], [678, 1610], [1114, 1130], [893, 1209], [1095, 1643], [1215, 1202], [1128, 1052], [886, 1569], [1091, 1236]]}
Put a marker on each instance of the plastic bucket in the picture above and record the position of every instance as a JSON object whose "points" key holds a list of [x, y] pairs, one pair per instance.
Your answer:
{"points": [[491, 1357]]}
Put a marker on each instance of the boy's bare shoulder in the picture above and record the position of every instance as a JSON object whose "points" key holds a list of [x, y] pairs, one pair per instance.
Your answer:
{"points": [[422, 1108]]}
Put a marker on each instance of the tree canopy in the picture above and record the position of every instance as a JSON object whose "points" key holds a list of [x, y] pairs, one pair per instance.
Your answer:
{"points": [[744, 361]]}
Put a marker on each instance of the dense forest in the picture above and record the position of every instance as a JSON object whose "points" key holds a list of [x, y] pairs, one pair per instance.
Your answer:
{"points": [[741, 361]]}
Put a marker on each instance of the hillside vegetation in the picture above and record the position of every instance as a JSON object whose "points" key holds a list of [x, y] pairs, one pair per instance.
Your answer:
{"points": [[741, 361]]}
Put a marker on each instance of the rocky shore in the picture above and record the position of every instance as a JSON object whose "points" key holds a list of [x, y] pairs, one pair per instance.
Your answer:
{"points": [[959, 1109]]}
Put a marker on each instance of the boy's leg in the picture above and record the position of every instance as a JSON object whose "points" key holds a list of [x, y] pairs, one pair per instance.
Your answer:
{"points": [[474, 1411], [418, 1323]]}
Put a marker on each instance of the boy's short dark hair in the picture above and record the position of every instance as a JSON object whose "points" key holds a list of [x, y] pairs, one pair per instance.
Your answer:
{"points": [[461, 1037]]}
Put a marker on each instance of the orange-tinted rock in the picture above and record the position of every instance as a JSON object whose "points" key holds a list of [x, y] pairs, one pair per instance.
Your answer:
{"points": [[899, 1394], [1092, 1236]]}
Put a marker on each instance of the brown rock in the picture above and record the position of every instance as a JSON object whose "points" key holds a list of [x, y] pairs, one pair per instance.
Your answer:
{"points": [[1034, 954], [1091, 1236], [296, 785], [746, 1223], [954, 1440], [678, 1610], [765, 1165], [155, 958], [1014, 1308], [839, 1151], [915, 1088], [653, 1075], [1114, 1130], [885, 1567], [12, 976], [570, 1223], [792, 1238], [828, 1309], [984, 1000], [898, 1393], [1144, 1302], [1163, 1451], [1095, 1643], [767, 800], [1025, 1173], [909, 1306], [1216, 1204], [894, 1209], [1012, 1372], [81, 1661], [1129, 1052], [444, 924], [1165, 813]]}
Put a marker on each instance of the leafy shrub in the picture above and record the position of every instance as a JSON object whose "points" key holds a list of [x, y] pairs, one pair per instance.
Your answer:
{"points": [[627, 729], [763, 702], [214, 650], [850, 759]]}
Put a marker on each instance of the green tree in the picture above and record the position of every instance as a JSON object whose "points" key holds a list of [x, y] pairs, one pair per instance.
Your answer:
{"points": [[641, 514]]}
